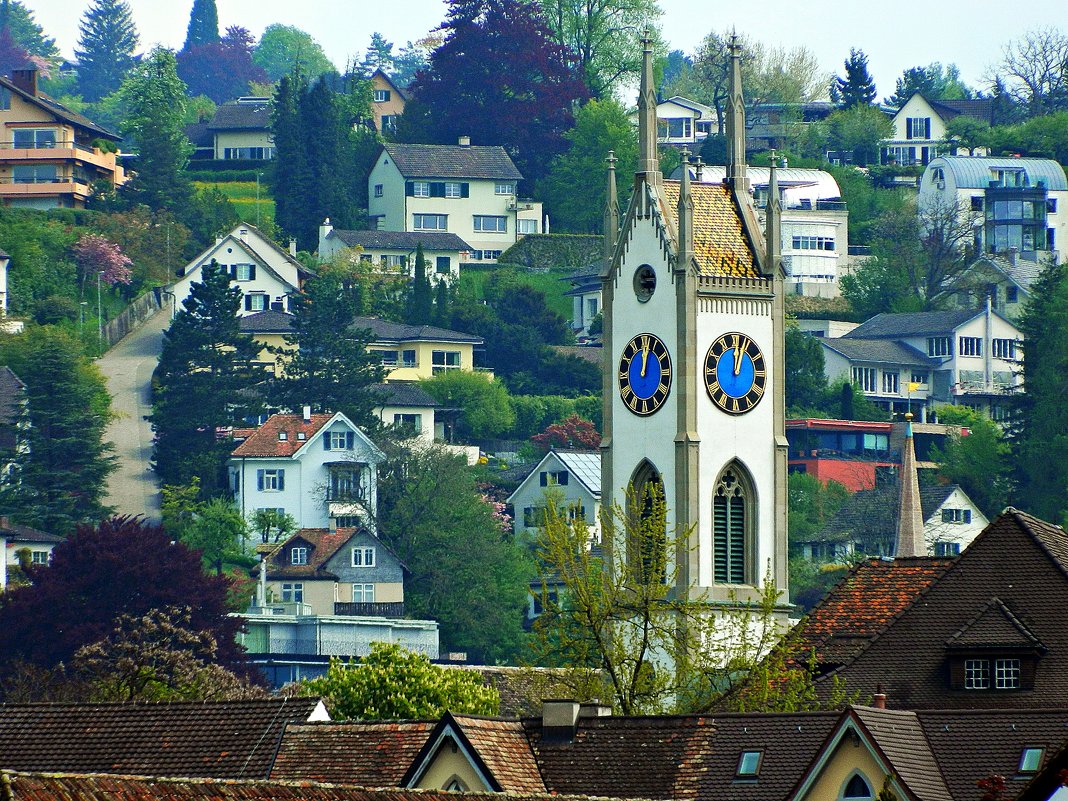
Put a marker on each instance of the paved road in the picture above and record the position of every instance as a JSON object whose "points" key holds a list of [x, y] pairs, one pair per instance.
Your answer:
{"points": [[132, 488]]}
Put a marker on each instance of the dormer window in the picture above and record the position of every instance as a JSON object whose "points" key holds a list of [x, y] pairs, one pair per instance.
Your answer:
{"points": [[298, 556], [282, 436], [1031, 760]]}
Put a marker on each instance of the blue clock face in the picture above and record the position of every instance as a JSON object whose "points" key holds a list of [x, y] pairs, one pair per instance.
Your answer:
{"points": [[735, 373], [644, 374]]}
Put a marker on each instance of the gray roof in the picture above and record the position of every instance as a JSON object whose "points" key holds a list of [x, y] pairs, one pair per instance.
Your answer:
{"points": [[452, 161], [400, 240], [870, 516], [384, 330], [403, 393], [13, 532], [241, 117], [911, 324], [1023, 273], [981, 109], [880, 351], [12, 393], [586, 467], [266, 322], [974, 173]]}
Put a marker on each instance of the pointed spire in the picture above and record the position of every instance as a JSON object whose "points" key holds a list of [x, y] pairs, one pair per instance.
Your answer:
{"points": [[611, 212], [648, 163], [910, 540], [773, 221], [685, 214], [736, 174]]}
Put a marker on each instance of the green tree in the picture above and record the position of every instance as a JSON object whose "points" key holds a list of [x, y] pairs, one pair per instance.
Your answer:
{"points": [[575, 188], [203, 24], [26, 33], [1040, 428], [812, 504], [203, 380], [392, 683], [977, 460], [1036, 69], [60, 475], [1045, 136], [219, 532], [806, 384], [857, 87], [858, 129], [442, 305], [154, 98], [467, 571], [420, 298], [487, 407], [326, 363], [378, 56], [603, 36], [268, 521], [967, 132], [106, 44], [285, 50], [934, 82]]}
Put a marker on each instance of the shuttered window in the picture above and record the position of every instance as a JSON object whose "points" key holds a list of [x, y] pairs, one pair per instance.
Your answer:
{"points": [[729, 513]]}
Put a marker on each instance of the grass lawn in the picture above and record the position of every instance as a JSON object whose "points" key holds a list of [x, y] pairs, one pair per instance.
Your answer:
{"points": [[474, 279], [243, 196]]}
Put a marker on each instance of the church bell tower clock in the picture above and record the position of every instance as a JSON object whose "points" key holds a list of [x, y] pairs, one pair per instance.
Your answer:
{"points": [[694, 376]]}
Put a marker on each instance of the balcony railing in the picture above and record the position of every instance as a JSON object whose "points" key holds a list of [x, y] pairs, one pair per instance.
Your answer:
{"points": [[395, 609]]}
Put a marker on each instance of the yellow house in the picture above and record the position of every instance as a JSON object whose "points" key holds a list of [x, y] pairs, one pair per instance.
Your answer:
{"points": [[412, 352], [387, 101], [241, 130], [49, 155]]}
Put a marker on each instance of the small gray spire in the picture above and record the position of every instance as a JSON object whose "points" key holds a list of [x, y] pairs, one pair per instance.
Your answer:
{"points": [[736, 172], [910, 540], [685, 214], [773, 221], [611, 212], [648, 162]]}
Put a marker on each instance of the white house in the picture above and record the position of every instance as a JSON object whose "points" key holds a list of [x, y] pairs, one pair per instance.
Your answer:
{"points": [[572, 479], [920, 128], [681, 121], [463, 189], [319, 468], [815, 224], [405, 405], [18, 540], [394, 251], [266, 274], [1016, 204], [241, 130], [585, 294], [1006, 280], [965, 357]]}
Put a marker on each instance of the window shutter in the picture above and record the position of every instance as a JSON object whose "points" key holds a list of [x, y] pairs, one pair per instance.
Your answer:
{"points": [[326, 440], [252, 272], [437, 189], [259, 480], [561, 478], [545, 479], [465, 189], [349, 440], [233, 271], [409, 188], [281, 479], [926, 127], [248, 302]]}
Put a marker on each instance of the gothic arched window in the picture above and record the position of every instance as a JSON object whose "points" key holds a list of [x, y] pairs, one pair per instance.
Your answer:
{"points": [[647, 539], [732, 522]]}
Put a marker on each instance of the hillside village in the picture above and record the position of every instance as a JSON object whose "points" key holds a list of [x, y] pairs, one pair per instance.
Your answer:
{"points": [[636, 424]]}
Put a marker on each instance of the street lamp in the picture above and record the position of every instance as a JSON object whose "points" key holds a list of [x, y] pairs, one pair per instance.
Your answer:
{"points": [[99, 318], [81, 320]]}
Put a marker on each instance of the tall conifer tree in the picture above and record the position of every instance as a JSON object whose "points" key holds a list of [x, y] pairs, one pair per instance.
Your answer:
{"points": [[106, 44], [203, 24], [857, 87], [420, 300]]}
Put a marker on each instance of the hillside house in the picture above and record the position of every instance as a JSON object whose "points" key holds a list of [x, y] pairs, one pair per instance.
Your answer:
{"points": [[387, 101], [394, 252], [920, 132]]}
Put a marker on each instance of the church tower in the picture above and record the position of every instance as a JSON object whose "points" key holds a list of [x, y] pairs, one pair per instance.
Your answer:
{"points": [[694, 379]]}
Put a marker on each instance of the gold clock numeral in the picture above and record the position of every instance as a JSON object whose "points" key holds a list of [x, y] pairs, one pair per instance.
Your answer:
{"points": [[633, 403], [662, 388], [714, 388], [758, 390], [626, 392]]}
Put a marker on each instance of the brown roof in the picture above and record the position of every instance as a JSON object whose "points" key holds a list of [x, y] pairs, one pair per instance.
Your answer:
{"points": [[221, 739], [899, 737], [861, 605], [265, 442], [503, 748], [375, 754], [720, 246], [1018, 561], [322, 545], [53, 106]]}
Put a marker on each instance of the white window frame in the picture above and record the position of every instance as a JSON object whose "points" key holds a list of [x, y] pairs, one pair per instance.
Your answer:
{"points": [[891, 382], [413, 422], [39, 557], [337, 440], [242, 272], [366, 593], [379, 190], [363, 556], [444, 360], [1007, 674], [271, 477], [939, 346], [381, 95], [438, 222], [865, 378], [526, 226], [503, 188], [454, 189], [977, 674], [490, 223], [970, 346], [257, 301], [298, 555], [1004, 349], [420, 188], [293, 592]]}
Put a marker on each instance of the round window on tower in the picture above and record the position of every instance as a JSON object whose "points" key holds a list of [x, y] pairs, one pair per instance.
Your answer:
{"points": [[644, 282]]}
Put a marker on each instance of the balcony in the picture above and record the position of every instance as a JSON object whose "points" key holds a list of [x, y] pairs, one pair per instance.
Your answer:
{"points": [[44, 187], [395, 609], [58, 151]]}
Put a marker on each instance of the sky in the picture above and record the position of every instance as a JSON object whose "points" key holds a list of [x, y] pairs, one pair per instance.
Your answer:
{"points": [[895, 36]]}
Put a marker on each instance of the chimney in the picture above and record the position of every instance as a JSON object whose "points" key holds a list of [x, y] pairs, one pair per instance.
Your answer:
{"points": [[293, 247], [699, 170], [465, 141], [242, 234], [879, 699], [594, 709], [26, 80], [307, 414], [559, 718], [909, 515], [1011, 255]]}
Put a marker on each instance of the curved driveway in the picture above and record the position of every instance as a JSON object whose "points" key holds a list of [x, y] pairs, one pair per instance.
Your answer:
{"points": [[132, 487]]}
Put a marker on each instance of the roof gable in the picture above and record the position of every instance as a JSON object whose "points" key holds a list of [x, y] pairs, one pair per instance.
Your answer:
{"points": [[369, 753], [994, 627], [585, 466], [289, 436], [721, 246], [452, 161], [54, 107]]}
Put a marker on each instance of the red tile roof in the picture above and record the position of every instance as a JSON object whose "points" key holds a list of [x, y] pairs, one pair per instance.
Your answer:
{"points": [[324, 544], [374, 754], [265, 442], [862, 604], [503, 747]]}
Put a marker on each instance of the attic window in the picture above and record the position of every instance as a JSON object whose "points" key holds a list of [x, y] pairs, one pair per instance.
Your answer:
{"points": [[749, 764], [301, 436], [1031, 760], [857, 788], [644, 282], [282, 436]]}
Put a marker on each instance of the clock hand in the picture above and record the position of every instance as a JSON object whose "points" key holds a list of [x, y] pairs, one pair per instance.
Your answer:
{"points": [[645, 358], [737, 360]]}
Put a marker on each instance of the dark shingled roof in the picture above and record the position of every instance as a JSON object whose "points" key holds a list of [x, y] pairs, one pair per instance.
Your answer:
{"points": [[452, 161], [911, 324], [386, 331], [241, 117], [402, 393], [266, 322], [13, 532], [218, 739], [899, 736], [400, 240], [882, 351], [12, 395], [374, 754], [994, 627], [1018, 559], [870, 516], [321, 544], [979, 109], [59, 110]]}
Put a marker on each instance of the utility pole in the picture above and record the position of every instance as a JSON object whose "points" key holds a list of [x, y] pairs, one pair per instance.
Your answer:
{"points": [[99, 318]]}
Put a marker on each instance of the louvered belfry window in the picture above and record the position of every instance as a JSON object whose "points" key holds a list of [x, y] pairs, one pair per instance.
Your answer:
{"points": [[729, 511]]}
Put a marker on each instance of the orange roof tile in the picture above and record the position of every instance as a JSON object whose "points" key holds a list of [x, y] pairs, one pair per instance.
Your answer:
{"points": [[324, 544], [720, 246], [265, 441], [503, 746], [371, 753]]}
